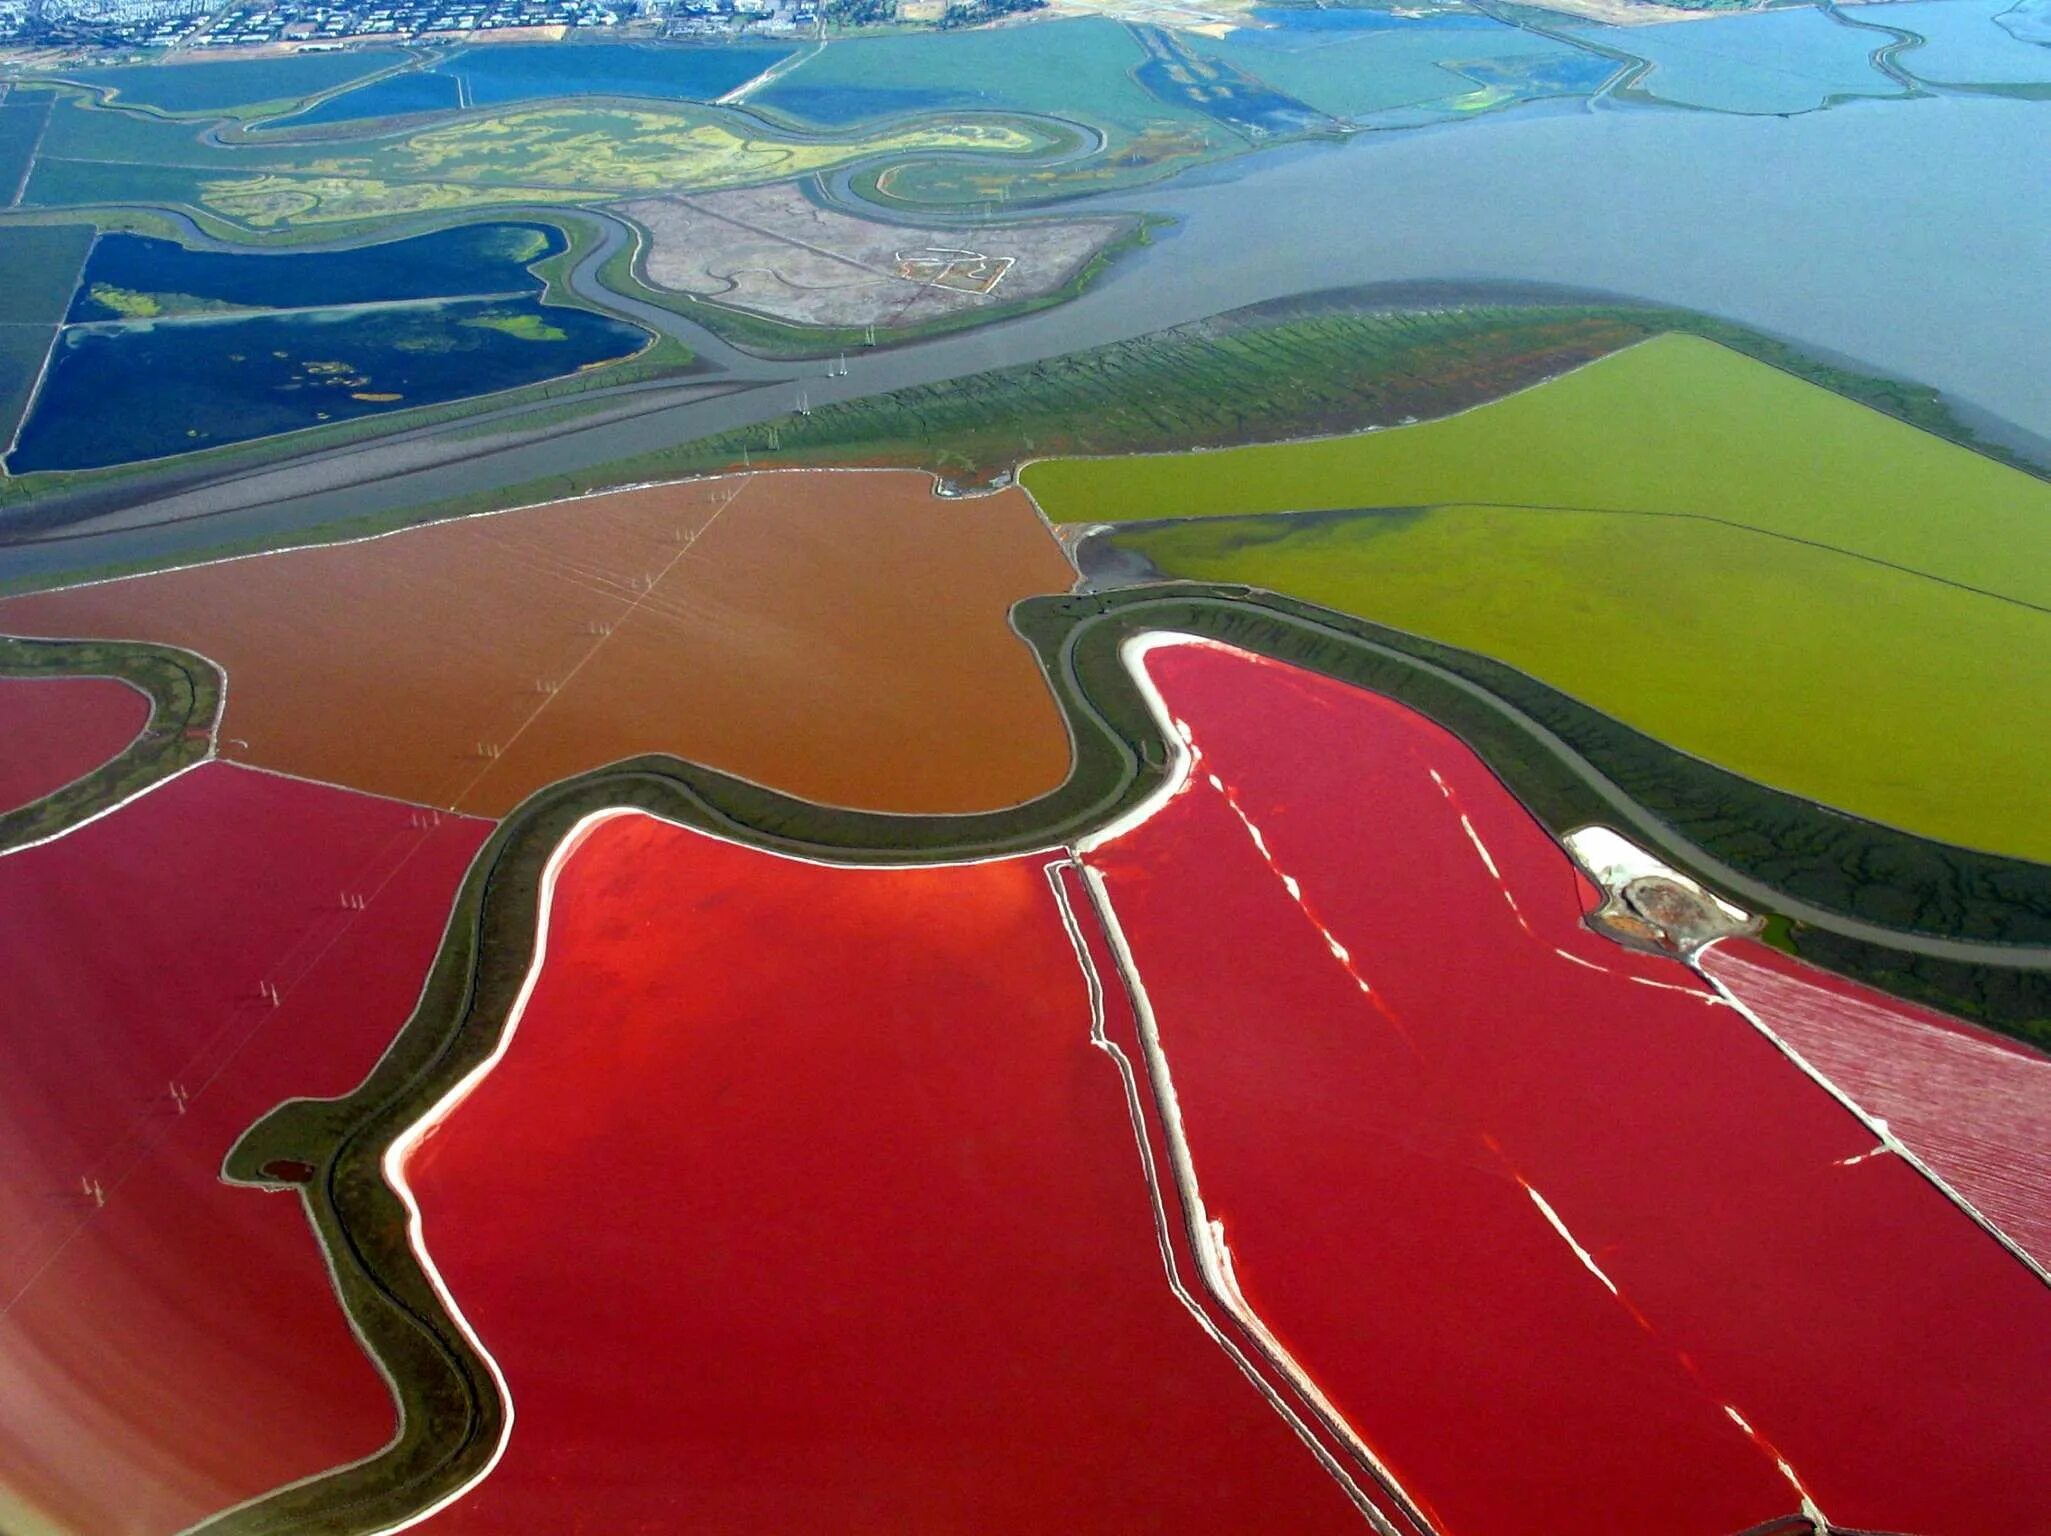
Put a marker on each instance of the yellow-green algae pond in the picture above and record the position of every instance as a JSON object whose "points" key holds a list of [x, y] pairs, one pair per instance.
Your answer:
{"points": [[1744, 565]]}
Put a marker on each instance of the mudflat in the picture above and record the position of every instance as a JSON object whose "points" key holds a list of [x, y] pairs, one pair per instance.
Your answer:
{"points": [[773, 251]]}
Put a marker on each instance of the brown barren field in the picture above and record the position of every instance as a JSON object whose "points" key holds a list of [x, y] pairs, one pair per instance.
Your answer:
{"points": [[839, 635], [775, 252]]}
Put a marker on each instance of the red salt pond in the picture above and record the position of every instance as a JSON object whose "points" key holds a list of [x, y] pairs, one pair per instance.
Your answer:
{"points": [[56, 729], [1565, 1240], [800, 1200], [178, 1348], [1975, 1108]]}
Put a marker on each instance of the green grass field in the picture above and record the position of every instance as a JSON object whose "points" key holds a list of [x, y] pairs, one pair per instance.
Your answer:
{"points": [[1863, 687], [1676, 424], [1745, 566]]}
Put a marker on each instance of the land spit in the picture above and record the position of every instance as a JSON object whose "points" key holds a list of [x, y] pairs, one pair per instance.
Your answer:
{"points": [[774, 252]]}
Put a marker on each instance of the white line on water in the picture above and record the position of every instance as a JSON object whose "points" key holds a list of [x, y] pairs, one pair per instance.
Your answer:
{"points": [[1163, 1231], [1587, 1259], [1205, 1234], [126, 800], [1181, 751], [1809, 1510], [618, 623], [1568, 954], [1714, 1000], [1481, 848]]}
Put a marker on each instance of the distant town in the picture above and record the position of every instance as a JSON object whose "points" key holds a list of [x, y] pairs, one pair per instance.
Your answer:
{"points": [[127, 25]]}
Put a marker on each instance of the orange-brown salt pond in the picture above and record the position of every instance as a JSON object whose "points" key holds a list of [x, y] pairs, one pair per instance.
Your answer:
{"points": [[840, 635]]}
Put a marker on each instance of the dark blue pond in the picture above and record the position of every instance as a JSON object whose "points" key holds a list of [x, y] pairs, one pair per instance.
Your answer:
{"points": [[217, 84], [836, 106], [416, 90], [492, 76], [471, 259], [119, 393], [499, 74]]}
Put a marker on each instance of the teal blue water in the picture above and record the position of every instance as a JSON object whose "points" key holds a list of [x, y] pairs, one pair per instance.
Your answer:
{"points": [[1357, 71], [1970, 42], [1081, 69], [2027, 21], [1762, 63]]}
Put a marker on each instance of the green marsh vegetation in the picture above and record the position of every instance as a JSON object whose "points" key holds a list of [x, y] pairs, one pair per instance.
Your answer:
{"points": [[1744, 566], [1272, 371], [132, 304], [521, 327]]}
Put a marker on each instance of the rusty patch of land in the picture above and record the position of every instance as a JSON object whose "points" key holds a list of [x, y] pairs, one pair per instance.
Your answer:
{"points": [[840, 636]]}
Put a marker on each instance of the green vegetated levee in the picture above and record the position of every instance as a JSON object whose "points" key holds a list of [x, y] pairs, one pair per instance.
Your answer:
{"points": [[1328, 362], [185, 700], [1752, 569], [1342, 361], [453, 1416]]}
